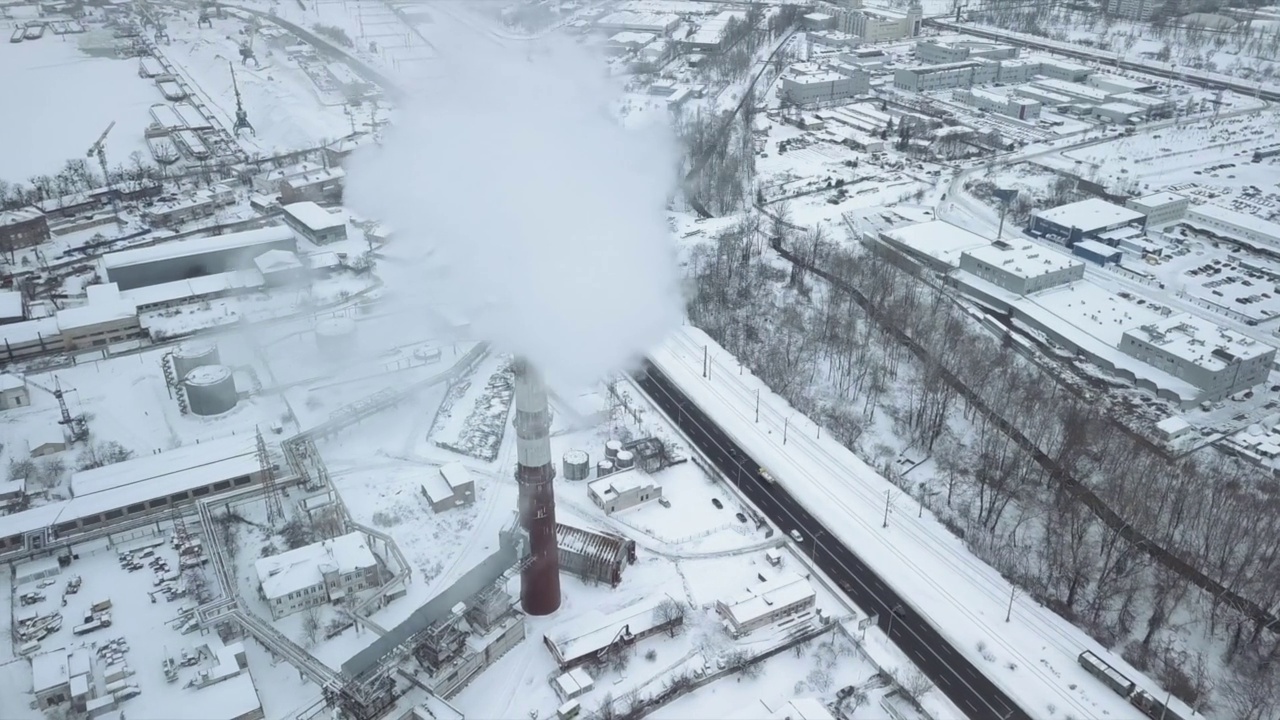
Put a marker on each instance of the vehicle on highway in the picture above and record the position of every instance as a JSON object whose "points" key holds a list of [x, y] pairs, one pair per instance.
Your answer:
{"points": [[716, 501], [741, 517], [795, 535], [899, 611], [764, 475]]}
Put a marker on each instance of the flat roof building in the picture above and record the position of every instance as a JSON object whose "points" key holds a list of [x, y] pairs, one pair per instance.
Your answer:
{"points": [[1023, 268], [593, 632], [22, 228], [1219, 361], [766, 602], [318, 573], [1014, 107], [1236, 225], [945, 76], [1096, 252], [623, 490], [1118, 112], [1085, 219], [936, 244], [186, 259], [315, 223], [809, 83], [1160, 208]]}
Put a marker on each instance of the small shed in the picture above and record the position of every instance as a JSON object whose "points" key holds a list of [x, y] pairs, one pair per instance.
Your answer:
{"points": [[46, 440], [1172, 428], [13, 392]]}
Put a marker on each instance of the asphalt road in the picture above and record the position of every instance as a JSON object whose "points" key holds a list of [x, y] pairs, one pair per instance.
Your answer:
{"points": [[950, 672]]}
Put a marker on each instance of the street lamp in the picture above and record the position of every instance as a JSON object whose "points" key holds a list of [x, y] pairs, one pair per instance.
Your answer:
{"points": [[785, 424], [893, 611]]}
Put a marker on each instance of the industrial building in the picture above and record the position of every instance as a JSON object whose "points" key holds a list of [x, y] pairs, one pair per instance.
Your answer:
{"points": [[875, 26], [936, 244], [946, 76], [324, 185], [22, 228], [449, 487], [1118, 112], [808, 83], [1023, 268], [765, 603], [13, 392], [186, 259], [1014, 107], [195, 206], [1219, 361], [12, 307], [279, 268], [133, 488], [196, 290], [622, 490], [934, 52], [1140, 10], [105, 319], [1096, 252], [1080, 220], [314, 223], [1058, 69], [1220, 221], [271, 182], [593, 633], [657, 23], [1160, 208], [315, 574], [1119, 83], [713, 31], [593, 555]]}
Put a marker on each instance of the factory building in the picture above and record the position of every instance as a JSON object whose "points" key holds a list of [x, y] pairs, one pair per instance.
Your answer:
{"points": [[1096, 252], [1080, 220], [1023, 268], [106, 319], [325, 185], [809, 83], [1219, 361], [1058, 69], [765, 603], [935, 245], [946, 76], [1119, 113], [1014, 107], [657, 23], [187, 259], [195, 206], [712, 32], [935, 52], [22, 228], [1078, 92], [593, 555], [271, 182], [1160, 208], [593, 633], [314, 223], [1119, 83], [1140, 10], [623, 490], [316, 574], [1156, 107], [875, 26], [1220, 221]]}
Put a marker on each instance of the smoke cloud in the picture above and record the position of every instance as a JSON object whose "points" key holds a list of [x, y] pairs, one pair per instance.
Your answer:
{"points": [[533, 213]]}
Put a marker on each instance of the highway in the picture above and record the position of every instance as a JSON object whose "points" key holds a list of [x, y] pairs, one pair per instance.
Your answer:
{"points": [[950, 672]]}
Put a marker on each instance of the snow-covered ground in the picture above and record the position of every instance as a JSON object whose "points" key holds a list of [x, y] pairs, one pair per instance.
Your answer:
{"points": [[1032, 657], [61, 93]]}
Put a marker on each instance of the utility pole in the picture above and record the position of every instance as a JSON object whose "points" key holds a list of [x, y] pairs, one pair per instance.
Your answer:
{"points": [[704, 361], [785, 424], [886, 510], [757, 404], [1013, 592]]}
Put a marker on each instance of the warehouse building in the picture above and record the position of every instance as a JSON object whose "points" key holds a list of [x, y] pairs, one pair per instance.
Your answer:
{"points": [[937, 51], [1096, 252], [1119, 113], [809, 83], [875, 26], [1080, 220], [186, 259], [946, 76], [765, 603], [657, 23], [936, 245], [1160, 208], [317, 186], [1023, 268], [593, 555], [314, 223], [1219, 361], [623, 490], [1220, 221], [106, 319], [1078, 92], [1058, 69], [593, 633], [316, 574], [1014, 107]]}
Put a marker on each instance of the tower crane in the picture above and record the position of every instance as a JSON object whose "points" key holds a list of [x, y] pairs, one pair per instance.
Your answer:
{"points": [[99, 149]]}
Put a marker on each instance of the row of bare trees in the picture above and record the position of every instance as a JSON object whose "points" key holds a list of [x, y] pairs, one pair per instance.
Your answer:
{"points": [[813, 344]]}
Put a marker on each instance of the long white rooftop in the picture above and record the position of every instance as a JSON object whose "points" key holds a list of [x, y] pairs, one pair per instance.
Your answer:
{"points": [[199, 246], [937, 239], [1090, 215], [1199, 341], [1024, 260], [217, 459], [766, 597], [303, 567]]}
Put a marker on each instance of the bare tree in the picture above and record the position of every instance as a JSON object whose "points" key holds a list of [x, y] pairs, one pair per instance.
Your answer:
{"points": [[672, 612], [915, 684], [311, 624]]}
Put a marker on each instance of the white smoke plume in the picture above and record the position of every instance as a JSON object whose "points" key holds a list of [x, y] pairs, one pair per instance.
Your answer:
{"points": [[541, 218]]}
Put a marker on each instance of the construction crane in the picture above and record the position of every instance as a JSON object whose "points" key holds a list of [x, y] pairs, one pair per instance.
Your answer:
{"points": [[77, 425], [242, 117], [100, 149]]}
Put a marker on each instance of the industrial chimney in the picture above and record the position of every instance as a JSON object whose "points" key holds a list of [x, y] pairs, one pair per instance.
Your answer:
{"points": [[540, 579]]}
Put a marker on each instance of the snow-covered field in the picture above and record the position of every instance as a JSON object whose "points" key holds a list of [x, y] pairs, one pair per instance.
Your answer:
{"points": [[61, 93]]}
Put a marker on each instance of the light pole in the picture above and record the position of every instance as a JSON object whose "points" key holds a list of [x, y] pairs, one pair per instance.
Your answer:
{"points": [[813, 553], [893, 611], [785, 424], [757, 405]]}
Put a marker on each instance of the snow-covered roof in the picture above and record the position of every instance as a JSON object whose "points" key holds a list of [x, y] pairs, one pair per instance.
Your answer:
{"points": [[594, 630], [313, 216], [632, 37], [302, 567], [1024, 260], [1093, 309], [13, 487], [273, 261], [211, 461], [766, 597], [43, 435], [49, 670], [612, 486], [937, 239], [794, 709], [1090, 215], [1201, 342], [289, 171], [1121, 108], [11, 382], [11, 217], [10, 305], [1096, 247], [1231, 217], [105, 305], [1072, 89], [456, 475], [199, 246], [1156, 200], [196, 287], [1173, 425]]}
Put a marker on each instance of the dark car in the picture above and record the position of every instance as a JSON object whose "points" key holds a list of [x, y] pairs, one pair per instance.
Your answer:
{"points": [[741, 517], [716, 501]]}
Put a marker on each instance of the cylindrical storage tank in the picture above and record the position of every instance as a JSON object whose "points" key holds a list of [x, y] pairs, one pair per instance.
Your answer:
{"points": [[192, 355], [577, 465], [603, 468], [611, 450], [336, 336], [626, 460], [211, 389]]}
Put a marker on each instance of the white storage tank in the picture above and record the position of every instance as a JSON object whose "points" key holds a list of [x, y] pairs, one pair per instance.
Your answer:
{"points": [[192, 355], [604, 468], [611, 450], [577, 465], [336, 336], [625, 460], [211, 390]]}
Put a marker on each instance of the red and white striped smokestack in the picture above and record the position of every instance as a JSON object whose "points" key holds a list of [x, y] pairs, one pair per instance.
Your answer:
{"points": [[540, 580]]}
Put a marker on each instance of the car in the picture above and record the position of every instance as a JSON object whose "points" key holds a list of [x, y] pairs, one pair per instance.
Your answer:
{"points": [[845, 692], [664, 502], [795, 535], [899, 611], [716, 501], [741, 517]]}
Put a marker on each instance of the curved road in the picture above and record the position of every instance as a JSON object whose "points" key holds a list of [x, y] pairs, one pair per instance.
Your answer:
{"points": [[955, 676]]}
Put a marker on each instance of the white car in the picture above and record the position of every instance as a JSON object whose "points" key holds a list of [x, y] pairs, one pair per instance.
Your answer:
{"points": [[795, 535]]}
